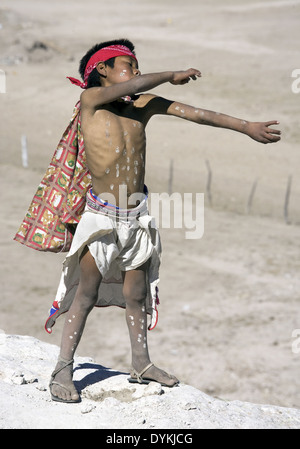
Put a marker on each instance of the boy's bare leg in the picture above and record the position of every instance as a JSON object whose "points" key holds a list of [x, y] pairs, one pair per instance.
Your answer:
{"points": [[84, 301], [135, 291]]}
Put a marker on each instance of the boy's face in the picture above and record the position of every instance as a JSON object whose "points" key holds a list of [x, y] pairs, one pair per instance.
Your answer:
{"points": [[125, 68]]}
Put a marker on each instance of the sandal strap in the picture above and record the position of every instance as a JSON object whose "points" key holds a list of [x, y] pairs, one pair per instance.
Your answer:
{"points": [[139, 375], [65, 364], [60, 385]]}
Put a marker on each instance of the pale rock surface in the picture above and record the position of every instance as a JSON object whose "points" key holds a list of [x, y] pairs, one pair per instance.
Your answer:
{"points": [[109, 401]]}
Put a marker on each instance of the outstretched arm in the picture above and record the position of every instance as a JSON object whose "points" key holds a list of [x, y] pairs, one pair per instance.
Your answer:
{"points": [[96, 96], [259, 131]]}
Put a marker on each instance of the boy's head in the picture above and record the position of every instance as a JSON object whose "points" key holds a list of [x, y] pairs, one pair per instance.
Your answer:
{"points": [[89, 73]]}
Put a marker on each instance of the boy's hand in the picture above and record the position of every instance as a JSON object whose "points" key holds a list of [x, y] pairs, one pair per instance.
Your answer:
{"points": [[184, 76], [261, 132]]}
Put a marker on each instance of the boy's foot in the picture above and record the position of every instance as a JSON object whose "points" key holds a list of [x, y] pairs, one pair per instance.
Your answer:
{"points": [[61, 386], [153, 374]]}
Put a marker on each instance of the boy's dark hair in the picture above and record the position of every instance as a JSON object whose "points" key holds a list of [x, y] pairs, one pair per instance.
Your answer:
{"points": [[93, 79]]}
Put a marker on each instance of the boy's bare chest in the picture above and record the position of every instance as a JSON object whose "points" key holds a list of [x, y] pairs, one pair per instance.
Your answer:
{"points": [[114, 142], [111, 128]]}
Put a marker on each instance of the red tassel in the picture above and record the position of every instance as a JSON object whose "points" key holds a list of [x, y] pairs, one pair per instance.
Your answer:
{"points": [[77, 82]]}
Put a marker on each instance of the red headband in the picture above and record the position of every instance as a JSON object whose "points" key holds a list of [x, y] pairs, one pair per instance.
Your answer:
{"points": [[102, 55]]}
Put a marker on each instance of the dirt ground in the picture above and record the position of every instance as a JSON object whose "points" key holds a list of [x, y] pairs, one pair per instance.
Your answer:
{"points": [[229, 301]]}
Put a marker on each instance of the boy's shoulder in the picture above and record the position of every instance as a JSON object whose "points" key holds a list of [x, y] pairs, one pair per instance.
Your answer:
{"points": [[88, 94], [142, 100], [153, 103]]}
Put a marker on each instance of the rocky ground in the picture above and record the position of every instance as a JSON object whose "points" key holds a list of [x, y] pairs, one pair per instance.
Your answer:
{"points": [[109, 401]]}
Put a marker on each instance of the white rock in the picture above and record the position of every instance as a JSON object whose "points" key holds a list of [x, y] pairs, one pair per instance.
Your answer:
{"points": [[148, 390], [87, 408]]}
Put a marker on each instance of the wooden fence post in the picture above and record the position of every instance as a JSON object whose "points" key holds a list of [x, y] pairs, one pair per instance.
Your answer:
{"points": [[24, 151], [208, 183], [251, 196], [170, 181], [287, 199]]}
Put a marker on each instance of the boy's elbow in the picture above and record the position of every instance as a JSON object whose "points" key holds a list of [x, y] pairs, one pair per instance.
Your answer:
{"points": [[92, 96]]}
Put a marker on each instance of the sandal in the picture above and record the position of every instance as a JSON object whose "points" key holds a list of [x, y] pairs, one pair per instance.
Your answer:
{"points": [[139, 378], [53, 382]]}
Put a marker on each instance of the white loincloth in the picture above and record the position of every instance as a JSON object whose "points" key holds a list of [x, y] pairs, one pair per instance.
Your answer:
{"points": [[119, 240]]}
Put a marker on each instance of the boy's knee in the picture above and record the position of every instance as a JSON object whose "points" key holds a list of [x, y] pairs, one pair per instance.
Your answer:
{"points": [[135, 294], [89, 302], [88, 297]]}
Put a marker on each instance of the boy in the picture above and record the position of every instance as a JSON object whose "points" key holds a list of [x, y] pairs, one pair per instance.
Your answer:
{"points": [[115, 229]]}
